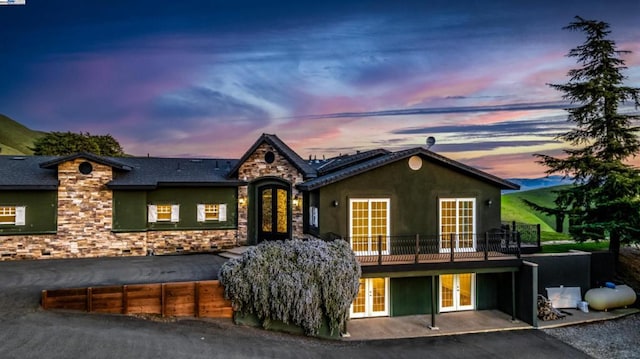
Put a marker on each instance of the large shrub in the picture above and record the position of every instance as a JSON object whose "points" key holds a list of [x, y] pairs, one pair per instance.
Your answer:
{"points": [[297, 282]]}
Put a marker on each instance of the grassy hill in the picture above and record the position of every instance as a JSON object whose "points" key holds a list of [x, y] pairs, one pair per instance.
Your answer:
{"points": [[514, 209], [15, 139]]}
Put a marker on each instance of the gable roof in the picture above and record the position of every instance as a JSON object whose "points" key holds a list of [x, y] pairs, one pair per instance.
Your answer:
{"points": [[107, 161], [301, 165], [379, 161]]}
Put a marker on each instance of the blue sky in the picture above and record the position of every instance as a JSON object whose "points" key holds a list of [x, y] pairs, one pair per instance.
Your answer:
{"points": [[206, 78]]}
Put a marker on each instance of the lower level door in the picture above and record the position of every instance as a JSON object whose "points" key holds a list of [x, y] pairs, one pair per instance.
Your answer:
{"points": [[372, 299], [457, 292]]}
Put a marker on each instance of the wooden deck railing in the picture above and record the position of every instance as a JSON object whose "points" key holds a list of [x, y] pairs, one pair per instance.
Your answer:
{"points": [[418, 248]]}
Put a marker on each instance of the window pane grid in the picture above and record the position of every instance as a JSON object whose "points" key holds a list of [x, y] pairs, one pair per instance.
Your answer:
{"points": [[8, 214], [369, 220], [164, 212], [457, 221], [211, 211]]}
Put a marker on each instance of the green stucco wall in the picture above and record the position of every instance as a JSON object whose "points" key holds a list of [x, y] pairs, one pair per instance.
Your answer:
{"points": [[130, 208], [414, 197], [487, 290], [411, 296], [129, 211], [40, 213]]}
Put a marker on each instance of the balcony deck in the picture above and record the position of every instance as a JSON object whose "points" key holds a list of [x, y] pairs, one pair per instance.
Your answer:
{"points": [[366, 260], [419, 249]]}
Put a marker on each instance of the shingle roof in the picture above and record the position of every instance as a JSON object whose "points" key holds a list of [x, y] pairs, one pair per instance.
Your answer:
{"points": [[336, 163], [24, 172], [305, 168], [40, 172], [378, 161], [151, 172]]}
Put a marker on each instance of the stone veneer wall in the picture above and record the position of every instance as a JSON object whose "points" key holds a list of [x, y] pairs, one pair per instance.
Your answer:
{"points": [[255, 167], [85, 208]]}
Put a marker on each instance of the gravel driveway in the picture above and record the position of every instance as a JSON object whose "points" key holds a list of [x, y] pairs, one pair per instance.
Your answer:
{"points": [[26, 331]]}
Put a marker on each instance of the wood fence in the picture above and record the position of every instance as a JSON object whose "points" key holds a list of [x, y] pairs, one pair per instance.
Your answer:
{"points": [[203, 299]]}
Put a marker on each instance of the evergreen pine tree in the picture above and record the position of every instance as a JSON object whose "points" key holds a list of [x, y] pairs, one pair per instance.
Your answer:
{"points": [[605, 198]]}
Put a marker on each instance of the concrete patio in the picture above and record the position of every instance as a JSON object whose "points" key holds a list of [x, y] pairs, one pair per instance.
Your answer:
{"points": [[466, 322]]}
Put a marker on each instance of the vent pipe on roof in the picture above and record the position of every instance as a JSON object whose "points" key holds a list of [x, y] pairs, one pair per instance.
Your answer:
{"points": [[430, 141]]}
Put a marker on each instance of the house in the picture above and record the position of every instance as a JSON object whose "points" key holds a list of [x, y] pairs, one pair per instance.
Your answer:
{"points": [[425, 228]]}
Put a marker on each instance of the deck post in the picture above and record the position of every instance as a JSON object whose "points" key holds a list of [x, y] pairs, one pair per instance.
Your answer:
{"points": [[417, 247], [433, 304], [538, 235], [453, 236], [513, 296], [379, 250], [486, 246], [519, 244]]}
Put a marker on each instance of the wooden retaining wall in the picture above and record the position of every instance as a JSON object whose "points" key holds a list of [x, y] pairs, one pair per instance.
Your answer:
{"points": [[203, 299]]}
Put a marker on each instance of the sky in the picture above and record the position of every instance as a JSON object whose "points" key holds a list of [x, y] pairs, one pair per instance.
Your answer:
{"points": [[206, 78]]}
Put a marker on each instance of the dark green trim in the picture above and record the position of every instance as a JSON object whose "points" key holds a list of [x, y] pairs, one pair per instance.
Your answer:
{"points": [[26, 233]]}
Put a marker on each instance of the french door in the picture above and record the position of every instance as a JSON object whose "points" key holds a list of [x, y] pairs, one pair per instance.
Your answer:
{"points": [[372, 299], [457, 224], [369, 226], [457, 292], [273, 213]]}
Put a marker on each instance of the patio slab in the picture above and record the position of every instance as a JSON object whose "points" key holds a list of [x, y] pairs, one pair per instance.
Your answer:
{"points": [[412, 326], [466, 322]]}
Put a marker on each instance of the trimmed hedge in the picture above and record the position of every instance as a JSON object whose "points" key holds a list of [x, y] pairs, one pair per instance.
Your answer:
{"points": [[294, 281]]}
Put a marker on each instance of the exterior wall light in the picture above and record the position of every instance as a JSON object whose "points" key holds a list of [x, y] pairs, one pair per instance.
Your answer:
{"points": [[242, 201], [489, 203], [296, 201], [334, 203]]}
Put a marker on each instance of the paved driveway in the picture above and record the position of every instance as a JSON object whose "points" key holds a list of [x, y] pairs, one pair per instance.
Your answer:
{"points": [[28, 332]]}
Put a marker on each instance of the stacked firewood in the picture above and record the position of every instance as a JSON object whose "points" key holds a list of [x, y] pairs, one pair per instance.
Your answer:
{"points": [[546, 311]]}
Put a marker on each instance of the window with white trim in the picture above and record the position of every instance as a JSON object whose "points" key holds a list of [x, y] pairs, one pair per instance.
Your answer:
{"points": [[212, 212], [163, 213], [369, 224], [457, 223], [12, 215]]}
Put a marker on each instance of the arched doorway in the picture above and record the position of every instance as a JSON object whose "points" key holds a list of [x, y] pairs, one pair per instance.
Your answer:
{"points": [[274, 212]]}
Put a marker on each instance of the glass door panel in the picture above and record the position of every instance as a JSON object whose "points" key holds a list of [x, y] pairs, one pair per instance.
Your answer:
{"points": [[457, 292], [273, 213], [372, 299]]}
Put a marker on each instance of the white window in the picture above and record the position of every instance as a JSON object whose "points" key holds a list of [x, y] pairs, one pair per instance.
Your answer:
{"points": [[457, 224], [313, 216], [369, 225], [12, 215], [212, 212], [163, 213]]}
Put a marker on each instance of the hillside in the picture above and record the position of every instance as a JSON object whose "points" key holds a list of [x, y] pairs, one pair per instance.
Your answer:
{"points": [[15, 139], [514, 209]]}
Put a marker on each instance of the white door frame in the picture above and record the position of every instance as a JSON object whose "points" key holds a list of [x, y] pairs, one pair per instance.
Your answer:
{"points": [[457, 291], [371, 239], [369, 297], [456, 245]]}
